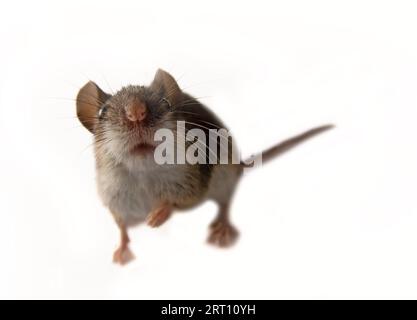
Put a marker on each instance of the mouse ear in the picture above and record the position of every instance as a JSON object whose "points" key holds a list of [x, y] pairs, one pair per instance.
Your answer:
{"points": [[166, 85], [89, 100]]}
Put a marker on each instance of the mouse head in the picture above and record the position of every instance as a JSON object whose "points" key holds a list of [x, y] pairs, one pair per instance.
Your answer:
{"points": [[126, 121]]}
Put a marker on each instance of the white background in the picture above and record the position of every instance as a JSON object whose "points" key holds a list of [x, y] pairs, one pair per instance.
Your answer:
{"points": [[335, 218]]}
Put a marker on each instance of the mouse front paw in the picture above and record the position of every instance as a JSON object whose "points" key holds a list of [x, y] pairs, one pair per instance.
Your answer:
{"points": [[222, 234], [159, 216]]}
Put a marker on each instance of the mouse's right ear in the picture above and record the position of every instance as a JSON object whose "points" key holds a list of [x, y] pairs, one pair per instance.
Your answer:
{"points": [[89, 100]]}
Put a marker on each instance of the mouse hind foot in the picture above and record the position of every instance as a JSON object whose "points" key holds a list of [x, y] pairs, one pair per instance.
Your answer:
{"points": [[123, 254], [221, 231]]}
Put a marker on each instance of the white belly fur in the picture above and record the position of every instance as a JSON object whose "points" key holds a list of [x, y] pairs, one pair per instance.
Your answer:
{"points": [[132, 194]]}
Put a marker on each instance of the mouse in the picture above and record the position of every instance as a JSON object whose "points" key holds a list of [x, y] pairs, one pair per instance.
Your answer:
{"points": [[134, 178]]}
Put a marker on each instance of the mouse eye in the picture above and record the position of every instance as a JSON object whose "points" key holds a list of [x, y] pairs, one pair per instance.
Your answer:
{"points": [[102, 111]]}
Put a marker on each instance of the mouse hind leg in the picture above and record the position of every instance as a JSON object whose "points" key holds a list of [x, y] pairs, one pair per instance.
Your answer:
{"points": [[225, 178], [221, 231], [123, 254]]}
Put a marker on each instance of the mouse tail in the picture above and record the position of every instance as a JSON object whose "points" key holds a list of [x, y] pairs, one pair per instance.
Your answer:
{"points": [[286, 145]]}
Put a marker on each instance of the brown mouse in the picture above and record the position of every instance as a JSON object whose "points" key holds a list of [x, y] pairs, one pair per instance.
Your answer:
{"points": [[132, 182]]}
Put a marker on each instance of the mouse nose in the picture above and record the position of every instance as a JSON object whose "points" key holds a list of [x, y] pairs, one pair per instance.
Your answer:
{"points": [[136, 111]]}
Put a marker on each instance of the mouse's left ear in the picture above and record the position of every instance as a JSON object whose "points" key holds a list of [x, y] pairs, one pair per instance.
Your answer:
{"points": [[166, 85], [89, 100]]}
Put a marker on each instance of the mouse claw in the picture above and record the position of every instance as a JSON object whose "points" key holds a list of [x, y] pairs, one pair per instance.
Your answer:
{"points": [[123, 256], [222, 234]]}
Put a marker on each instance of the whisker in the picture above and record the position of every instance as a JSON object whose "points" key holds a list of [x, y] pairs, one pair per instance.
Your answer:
{"points": [[198, 147], [200, 120], [199, 125], [108, 84]]}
